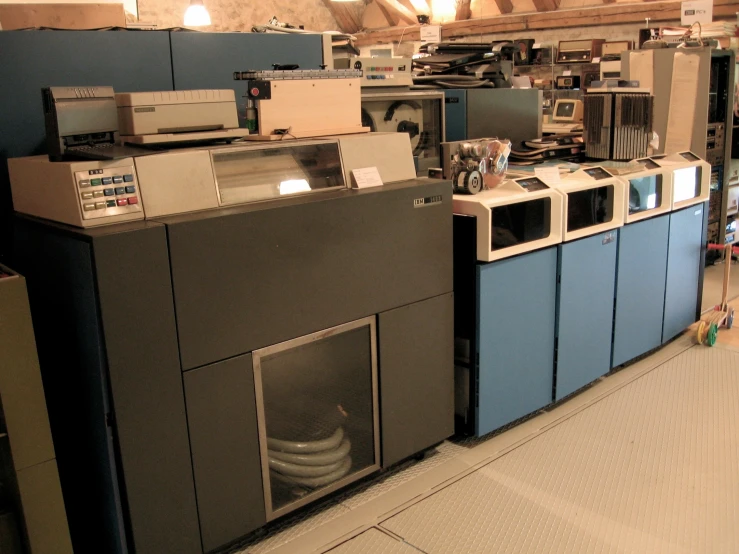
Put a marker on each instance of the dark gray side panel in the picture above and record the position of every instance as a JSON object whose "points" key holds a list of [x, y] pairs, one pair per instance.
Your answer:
{"points": [[257, 278], [137, 311], [222, 414], [61, 290], [416, 377]]}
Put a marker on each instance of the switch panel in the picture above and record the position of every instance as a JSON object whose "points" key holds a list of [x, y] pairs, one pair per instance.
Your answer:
{"points": [[108, 200]]}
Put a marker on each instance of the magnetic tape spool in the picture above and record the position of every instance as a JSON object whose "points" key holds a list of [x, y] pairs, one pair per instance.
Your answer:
{"points": [[469, 182]]}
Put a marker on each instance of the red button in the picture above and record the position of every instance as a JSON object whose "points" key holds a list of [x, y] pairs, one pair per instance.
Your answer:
{"points": [[254, 91], [133, 200], [122, 201]]}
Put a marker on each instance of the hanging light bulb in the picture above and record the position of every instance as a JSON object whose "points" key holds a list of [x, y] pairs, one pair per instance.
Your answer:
{"points": [[196, 14]]}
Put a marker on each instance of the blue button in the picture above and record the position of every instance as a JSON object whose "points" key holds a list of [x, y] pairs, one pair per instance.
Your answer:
{"points": [[117, 179], [109, 192], [128, 178], [107, 181], [129, 190], [120, 190]]}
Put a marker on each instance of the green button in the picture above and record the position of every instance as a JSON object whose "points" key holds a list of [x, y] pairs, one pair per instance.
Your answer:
{"points": [[111, 203], [96, 182]]}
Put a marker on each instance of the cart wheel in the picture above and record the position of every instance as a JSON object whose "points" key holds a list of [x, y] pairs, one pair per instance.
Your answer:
{"points": [[730, 318], [712, 334], [700, 333]]}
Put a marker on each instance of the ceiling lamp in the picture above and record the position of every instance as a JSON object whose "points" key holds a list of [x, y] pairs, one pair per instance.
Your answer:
{"points": [[196, 14]]}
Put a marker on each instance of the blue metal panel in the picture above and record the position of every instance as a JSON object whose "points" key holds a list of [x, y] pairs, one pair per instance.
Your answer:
{"points": [[640, 288], [455, 113], [31, 60], [516, 299], [208, 60], [587, 279], [683, 267]]}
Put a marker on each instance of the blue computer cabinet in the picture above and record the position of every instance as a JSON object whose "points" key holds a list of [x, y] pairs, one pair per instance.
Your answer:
{"points": [[515, 337], [585, 293], [640, 288], [685, 249]]}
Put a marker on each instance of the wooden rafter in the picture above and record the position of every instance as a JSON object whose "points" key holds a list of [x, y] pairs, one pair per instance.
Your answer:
{"points": [[346, 15], [464, 11], [399, 9], [505, 6], [582, 17], [546, 5]]}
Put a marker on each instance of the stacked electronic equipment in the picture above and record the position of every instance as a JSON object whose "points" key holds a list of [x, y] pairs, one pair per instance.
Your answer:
{"points": [[617, 123]]}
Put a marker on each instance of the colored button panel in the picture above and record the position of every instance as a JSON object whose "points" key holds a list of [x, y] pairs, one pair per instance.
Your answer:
{"points": [[120, 190], [84, 183], [133, 200], [89, 207], [107, 180], [128, 178], [130, 190], [96, 182], [117, 179], [109, 192], [122, 201]]}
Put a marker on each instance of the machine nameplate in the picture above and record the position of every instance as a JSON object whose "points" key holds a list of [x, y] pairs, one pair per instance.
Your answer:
{"points": [[427, 201]]}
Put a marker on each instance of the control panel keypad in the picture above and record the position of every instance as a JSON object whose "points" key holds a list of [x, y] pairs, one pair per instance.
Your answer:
{"points": [[100, 198]]}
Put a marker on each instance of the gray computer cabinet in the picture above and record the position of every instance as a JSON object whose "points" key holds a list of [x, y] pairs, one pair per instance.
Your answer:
{"points": [[147, 331], [686, 250], [585, 291], [640, 288], [513, 114]]}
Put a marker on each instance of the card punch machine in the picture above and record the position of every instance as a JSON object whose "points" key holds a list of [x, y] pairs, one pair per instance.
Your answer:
{"points": [[94, 122], [99, 182]]}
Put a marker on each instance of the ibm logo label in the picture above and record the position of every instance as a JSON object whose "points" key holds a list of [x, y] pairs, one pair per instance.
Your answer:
{"points": [[428, 201]]}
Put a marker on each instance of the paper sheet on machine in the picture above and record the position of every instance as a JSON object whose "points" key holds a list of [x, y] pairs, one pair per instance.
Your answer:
{"points": [[683, 96], [641, 68]]}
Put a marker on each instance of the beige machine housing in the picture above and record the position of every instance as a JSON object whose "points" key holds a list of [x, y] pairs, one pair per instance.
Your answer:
{"points": [[380, 72], [582, 180], [690, 178], [193, 179], [510, 192], [150, 113], [663, 201]]}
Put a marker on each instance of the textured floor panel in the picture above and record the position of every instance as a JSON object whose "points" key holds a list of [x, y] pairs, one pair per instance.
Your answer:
{"points": [[291, 529], [373, 541], [437, 456], [649, 468]]}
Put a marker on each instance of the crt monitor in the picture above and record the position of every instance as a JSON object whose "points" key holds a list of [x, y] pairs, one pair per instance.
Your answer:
{"points": [[567, 110]]}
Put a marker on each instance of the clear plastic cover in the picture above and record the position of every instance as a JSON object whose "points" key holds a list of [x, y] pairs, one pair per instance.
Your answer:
{"points": [[249, 175]]}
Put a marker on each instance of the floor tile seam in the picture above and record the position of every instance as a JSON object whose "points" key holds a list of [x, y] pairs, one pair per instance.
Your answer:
{"points": [[378, 519], [534, 434], [576, 409]]}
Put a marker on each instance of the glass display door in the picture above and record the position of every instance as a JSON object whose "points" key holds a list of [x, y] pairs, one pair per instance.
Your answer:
{"points": [[317, 413]]}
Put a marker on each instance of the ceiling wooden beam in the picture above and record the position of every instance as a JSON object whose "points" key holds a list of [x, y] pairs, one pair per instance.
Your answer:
{"points": [[546, 5], [347, 15], [392, 17], [583, 17], [393, 6], [464, 11], [505, 6]]}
